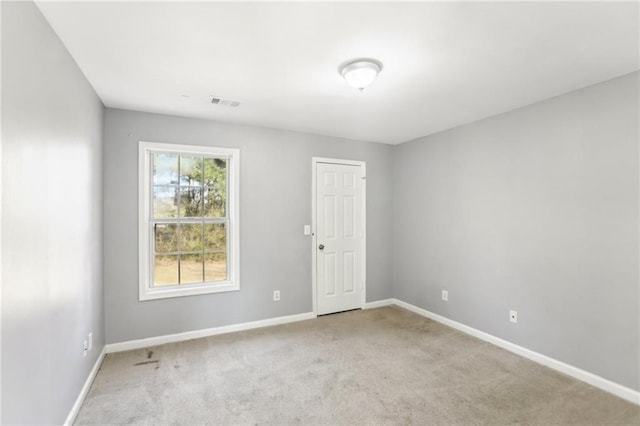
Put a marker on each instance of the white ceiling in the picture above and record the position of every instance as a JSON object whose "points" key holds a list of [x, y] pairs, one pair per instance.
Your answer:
{"points": [[445, 64]]}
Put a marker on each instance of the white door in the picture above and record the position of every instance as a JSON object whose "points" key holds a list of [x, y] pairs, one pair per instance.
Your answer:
{"points": [[340, 237]]}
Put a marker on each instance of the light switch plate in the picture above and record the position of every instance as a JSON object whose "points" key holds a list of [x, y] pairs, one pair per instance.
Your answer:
{"points": [[307, 230]]}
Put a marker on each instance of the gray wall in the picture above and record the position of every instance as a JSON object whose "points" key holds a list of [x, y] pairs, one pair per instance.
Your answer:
{"points": [[534, 210], [275, 204], [52, 293]]}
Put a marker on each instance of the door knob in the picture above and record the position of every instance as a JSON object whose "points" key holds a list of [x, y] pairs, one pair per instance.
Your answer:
{"points": [[321, 246]]}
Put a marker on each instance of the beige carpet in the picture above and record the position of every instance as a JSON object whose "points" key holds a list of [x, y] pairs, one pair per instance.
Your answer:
{"points": [[380, 366]]}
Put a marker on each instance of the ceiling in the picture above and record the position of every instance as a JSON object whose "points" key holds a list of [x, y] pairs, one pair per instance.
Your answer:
{"points": [[445, 64]]}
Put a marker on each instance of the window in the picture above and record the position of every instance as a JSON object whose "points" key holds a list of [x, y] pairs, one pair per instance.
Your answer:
{"points": [[188, 220]]}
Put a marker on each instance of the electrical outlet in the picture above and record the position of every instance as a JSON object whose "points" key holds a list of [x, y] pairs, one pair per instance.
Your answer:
{"points": [[276, 295], [445, 295], [513, 316], [85, 347], [91, 340]]}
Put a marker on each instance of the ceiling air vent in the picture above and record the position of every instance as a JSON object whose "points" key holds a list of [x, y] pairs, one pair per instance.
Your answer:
{"points": [[224, 102]]}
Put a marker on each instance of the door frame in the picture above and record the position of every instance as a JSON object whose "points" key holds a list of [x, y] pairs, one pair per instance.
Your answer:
{"points": [[314, 242]]}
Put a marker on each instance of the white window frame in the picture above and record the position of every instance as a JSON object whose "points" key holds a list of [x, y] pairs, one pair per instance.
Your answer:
{"points": [[145, 200]]}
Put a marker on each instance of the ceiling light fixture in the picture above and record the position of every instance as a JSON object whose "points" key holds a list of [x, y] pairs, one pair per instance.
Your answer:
{"points": [[361, 73]]}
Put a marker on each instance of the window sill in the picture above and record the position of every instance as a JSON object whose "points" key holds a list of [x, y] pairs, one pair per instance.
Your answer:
{"points": [[185, 290]]}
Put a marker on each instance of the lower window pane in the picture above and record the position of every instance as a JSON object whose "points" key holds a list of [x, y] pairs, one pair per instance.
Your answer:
{"points": [[191, 237], [165, 270], [215, 267], [215, 237], [191, 268], [166, 237]]}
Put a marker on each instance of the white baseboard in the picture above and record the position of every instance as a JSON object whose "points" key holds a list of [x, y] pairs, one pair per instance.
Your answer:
{"points": [[379, 303], [188, 335], [85, 389], [575, 372]]}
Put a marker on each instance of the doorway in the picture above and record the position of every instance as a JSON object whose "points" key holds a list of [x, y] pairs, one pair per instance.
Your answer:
{"points": [[339, 237]]}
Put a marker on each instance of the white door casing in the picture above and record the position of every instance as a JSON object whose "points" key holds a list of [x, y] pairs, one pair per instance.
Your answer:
{"points": [[339, 237]]}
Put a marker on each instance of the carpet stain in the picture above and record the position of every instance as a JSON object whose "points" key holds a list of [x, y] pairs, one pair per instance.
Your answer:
{"points": [[155, 361], [149, 354]]}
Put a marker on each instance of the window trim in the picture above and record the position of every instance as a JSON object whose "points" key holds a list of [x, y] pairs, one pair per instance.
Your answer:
{"points": [[145, 243]]}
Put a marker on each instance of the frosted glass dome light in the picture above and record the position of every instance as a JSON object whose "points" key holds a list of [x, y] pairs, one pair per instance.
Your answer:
{"points": [[361, 73]]}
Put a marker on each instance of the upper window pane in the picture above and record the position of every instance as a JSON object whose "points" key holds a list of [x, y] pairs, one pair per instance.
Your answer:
{"points": [[165, 169], [191, 171], [190, 202], [215, 202], [165, 202], [202, 188], [215, 172]]}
